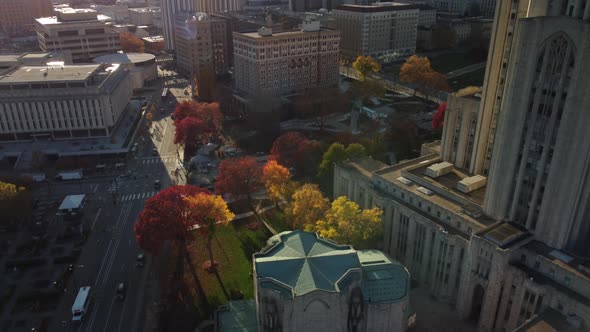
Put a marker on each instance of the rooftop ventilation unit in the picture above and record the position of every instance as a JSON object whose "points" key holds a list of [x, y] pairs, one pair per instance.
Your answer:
{"points": [[404, 180], [439, 169], [425, 191], [472, 183]]}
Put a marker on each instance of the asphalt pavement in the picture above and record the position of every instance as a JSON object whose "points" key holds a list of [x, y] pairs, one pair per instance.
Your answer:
{"points": [[109, 257]]}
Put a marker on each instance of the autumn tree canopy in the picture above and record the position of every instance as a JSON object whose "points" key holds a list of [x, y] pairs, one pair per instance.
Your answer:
{"points": [[346, 223], [418, 70], [277, 180], [287, 148], [364, 65], [166, 217], [336, 153], [131, 43], [15, 202], [239, 177], [208, 211], [307, 207], [195, 122]]}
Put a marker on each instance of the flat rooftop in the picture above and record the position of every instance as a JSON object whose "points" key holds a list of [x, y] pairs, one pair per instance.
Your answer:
{"points": [[53, 20], [379, 7], [505, 234], [47, 74], [254, 34]]}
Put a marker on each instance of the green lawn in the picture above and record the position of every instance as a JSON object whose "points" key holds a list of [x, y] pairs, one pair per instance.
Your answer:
{"points": [[233, 250], [276, 219], [474, 78]]}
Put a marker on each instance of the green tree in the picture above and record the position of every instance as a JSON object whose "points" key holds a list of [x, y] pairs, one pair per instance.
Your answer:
{"points": [[15, 202], [364, 65], [336, 153], [345, 222]]}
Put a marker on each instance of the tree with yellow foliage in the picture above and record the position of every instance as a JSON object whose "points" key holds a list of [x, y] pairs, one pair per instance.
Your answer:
{"points": [[15, 202], [308, 206], [365, 65], [346, 223], [278, 183], [207, 211], [418, 70]]}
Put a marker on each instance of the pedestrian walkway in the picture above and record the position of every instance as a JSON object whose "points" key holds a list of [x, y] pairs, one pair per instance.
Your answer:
{"points": [[155, 160], [132, 197]]}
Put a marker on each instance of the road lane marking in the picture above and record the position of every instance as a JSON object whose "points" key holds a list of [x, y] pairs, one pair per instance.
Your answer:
{"points": [[103, 261], [116, 247], [106, 322], [95, 188], [123, 314], [96, 218]]}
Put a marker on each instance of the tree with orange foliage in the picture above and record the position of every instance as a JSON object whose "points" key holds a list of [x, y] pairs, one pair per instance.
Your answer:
{"points": [[131, 43], [238, 177], [418, 70], [207, 211], [277, 180], [307, 207]]}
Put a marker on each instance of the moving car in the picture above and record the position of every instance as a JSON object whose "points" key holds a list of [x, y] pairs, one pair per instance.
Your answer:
{"points": [[140, 260], [121, 290], [157, 185]]}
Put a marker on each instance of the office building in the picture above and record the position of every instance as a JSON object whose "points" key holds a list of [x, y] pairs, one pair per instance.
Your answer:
{"points": [[504, 239], [377, 29], [81, 32], [62, 101], [172, 7], [141, 66], [286, 62], [306, 283], [169, 9], [201, 44], [146, 16], [18, 16]]}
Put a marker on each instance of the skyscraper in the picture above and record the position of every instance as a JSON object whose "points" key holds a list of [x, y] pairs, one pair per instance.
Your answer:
{"points": [[494, 219]]}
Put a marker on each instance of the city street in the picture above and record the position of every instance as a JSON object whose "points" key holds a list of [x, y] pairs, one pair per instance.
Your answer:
{"points": [[109, 256]]}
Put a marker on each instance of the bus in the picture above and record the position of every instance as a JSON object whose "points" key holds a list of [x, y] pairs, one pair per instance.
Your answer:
{"points": [[165, 93], [81, 303]]}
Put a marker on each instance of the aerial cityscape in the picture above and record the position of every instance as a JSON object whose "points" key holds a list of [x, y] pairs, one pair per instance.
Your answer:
{"points": [[294, 165]]}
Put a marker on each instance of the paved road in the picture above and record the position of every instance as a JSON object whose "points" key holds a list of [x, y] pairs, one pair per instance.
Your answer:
{"points": [[109, 256]]}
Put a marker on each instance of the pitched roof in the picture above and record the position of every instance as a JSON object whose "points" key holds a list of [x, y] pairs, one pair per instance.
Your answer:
{"points": [[301, 262]]}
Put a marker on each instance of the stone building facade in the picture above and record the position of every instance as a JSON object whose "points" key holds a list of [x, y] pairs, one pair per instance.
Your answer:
{"points": [[505, 236], [378, 29], [286, 62]]}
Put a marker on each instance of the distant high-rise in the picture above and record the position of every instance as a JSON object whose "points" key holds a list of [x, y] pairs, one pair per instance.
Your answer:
{"points": [[171, 7], [18, 16]]}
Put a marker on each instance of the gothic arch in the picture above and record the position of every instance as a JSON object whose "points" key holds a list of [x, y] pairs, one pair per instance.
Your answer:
{"points": [[317, 300]]}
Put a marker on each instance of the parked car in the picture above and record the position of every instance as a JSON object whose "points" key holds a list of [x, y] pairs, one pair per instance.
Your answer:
{"points": [[154, 152], [121, 290], [157, 185]]}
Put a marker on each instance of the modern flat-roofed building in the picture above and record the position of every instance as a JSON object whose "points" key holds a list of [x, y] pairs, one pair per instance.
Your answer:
{"points": [[81, 32], [377, 29], [62, 101], [146, 16], [286, 62]]}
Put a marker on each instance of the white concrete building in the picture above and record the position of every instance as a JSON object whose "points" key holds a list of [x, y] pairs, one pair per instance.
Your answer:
{"points": [[377, 29], [81, 32], [61, 101], [142, 66], [286, 62]]}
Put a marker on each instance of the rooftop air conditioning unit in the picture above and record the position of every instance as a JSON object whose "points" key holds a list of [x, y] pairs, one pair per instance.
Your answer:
{"points": [[439, 169], [472, 183]]}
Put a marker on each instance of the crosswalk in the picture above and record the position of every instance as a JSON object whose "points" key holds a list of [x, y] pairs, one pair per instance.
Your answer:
{"points": [[143, 196], [155, 160]]}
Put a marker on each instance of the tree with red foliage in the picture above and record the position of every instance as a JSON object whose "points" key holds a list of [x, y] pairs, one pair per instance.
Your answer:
{"points": [[439, 117], [287, 149], [239, 177], [191, 132], [165, 217], [209, 113], [131, 43]]}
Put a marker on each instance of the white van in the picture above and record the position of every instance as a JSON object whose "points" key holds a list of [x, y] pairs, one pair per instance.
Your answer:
{"points": [[81, 304]]}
